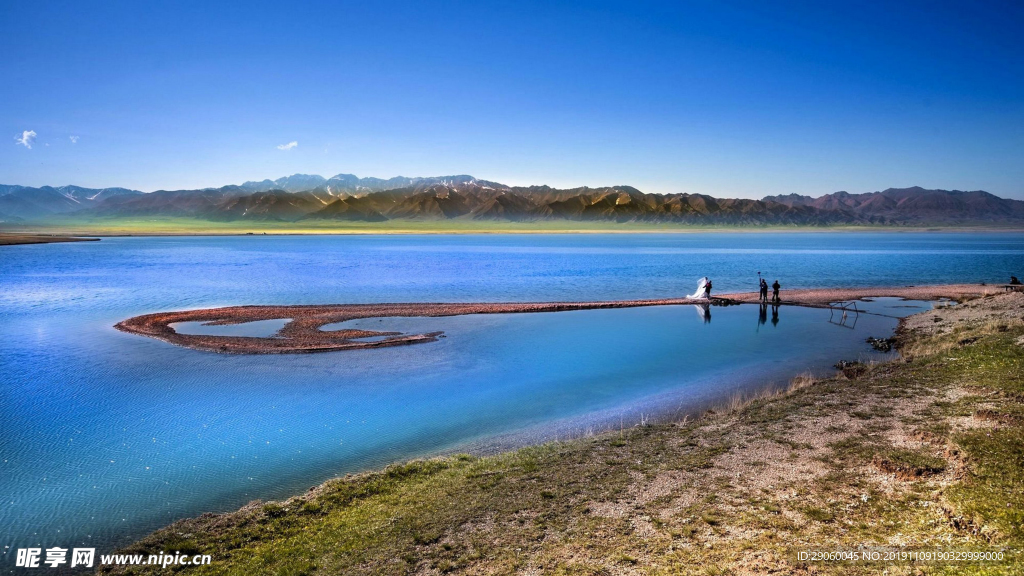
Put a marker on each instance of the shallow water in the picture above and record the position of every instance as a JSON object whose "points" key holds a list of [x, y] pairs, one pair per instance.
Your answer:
{"points": [[256, 329], [105, 435]]}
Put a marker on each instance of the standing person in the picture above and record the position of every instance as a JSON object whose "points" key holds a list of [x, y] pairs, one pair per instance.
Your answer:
{"points": [[775, 291], [707, 289], [764, 290], [702, 289]]}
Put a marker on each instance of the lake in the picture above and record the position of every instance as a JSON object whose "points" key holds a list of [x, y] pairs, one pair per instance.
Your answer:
{"points": [[105, 436]]}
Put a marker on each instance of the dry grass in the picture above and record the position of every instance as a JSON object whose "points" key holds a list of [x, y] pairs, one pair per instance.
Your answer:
{"points": [[739, 401]]}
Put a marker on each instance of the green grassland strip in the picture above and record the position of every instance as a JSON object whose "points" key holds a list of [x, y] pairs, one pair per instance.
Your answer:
{"points": [[165, 225]]}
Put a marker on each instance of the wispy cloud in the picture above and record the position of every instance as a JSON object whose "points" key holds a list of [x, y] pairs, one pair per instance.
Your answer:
{"points": [[287, 146], [74, 139], [26, 139]]}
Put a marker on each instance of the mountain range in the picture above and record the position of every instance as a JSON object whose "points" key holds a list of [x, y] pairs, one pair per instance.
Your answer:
{"points": [[346, 197]]}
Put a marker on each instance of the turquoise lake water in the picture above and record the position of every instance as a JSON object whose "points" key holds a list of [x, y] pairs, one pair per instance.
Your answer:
{"points": [[105, 436]]}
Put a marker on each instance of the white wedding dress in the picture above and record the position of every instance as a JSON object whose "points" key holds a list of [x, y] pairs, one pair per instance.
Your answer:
{"points": [[699, 294]]}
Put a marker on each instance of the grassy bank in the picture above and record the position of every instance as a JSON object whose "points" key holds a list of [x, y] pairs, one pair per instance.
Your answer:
{"points": [[192, 226], [927, 451]]}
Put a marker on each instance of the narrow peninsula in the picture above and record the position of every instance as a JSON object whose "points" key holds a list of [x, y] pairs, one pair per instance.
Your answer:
{"points": [[304, 334]]}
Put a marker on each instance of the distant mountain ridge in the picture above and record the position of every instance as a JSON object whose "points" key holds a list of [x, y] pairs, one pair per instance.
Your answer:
{"points": [[23, 202], [346, 197], [347, 183], [912, 204]]}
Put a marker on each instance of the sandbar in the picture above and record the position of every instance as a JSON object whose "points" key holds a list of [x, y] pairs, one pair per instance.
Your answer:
{"points": [[14, 239], [303, 333]]}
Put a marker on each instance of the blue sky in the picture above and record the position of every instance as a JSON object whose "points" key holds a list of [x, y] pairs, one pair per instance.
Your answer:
{"points": [[738, 99]]}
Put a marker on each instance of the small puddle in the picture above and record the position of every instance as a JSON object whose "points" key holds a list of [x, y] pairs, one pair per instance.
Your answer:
{"points": [[885, 306], [403, 324], [254, 329], [371, 338]]}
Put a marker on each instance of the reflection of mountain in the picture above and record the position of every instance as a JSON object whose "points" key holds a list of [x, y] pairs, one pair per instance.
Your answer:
{"points": [[347, 198]]}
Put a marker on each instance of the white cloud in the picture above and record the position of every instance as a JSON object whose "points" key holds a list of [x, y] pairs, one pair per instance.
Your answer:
{"points": [[74, 139], [287, 146], [26, 139]]}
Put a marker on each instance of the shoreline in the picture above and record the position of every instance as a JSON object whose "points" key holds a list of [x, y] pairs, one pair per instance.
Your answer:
{"points": [[22, 239], [907, 453], [429, 229], [303, 333]]}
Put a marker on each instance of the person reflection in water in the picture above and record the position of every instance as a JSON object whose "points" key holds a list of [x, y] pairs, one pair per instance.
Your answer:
{"points": [[775, 314], [762, 315], [704, 311]]}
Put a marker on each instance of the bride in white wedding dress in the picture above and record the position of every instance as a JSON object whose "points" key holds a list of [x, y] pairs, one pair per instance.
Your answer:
{"points": [[702, 291]]}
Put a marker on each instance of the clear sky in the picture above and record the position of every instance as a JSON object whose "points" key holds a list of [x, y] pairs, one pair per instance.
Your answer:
{"points": [[738, 99]]}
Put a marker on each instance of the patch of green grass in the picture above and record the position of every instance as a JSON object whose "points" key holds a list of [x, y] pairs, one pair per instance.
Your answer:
{"points": [[711, 520], [817, 514], [992, 498], [908, 464], [177, 225], [854, 448]]}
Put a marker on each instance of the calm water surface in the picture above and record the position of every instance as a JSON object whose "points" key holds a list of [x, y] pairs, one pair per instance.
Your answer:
{"points": [[104, 435]]}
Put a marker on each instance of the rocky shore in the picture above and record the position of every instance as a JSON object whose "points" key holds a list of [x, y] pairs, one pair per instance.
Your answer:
{"points": [[823, 296]]}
